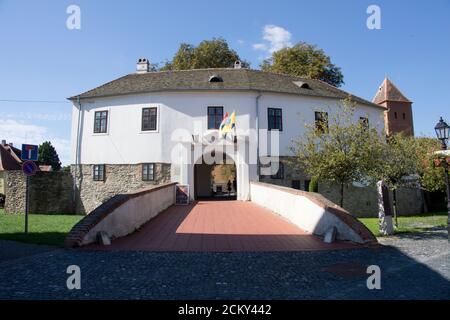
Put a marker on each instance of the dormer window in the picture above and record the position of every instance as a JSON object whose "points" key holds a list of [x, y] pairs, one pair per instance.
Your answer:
{"points": [[215, 79], [302, 84]]}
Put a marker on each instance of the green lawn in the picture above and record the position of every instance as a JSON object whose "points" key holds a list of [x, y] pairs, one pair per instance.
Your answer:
{"points": [[410, 224], [42, 228]]}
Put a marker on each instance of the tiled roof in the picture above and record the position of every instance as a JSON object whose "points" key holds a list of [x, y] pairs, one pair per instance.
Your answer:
{"points": [[389, 92], [233, 80], [9, 158]]}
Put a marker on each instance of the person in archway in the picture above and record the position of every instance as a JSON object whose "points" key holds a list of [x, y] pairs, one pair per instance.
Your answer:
{"points": [[229, 187], [234, 184]]}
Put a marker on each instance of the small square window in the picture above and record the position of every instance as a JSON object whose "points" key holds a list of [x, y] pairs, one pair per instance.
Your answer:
{"points": [[295, 184], [99, 172], [364, 122], [148, 171]]}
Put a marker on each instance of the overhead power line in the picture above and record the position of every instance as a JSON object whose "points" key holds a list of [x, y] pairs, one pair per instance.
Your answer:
{"points": [[32, 101]]}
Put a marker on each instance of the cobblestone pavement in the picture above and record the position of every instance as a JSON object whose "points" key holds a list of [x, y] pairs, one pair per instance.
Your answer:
{"points": [[13, 250], [412, 266]]}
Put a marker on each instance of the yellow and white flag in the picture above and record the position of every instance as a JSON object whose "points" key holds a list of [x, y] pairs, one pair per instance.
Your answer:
{"points": [[228, 124]]}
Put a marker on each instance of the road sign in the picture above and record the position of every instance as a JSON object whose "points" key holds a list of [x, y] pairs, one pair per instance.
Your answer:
{"points": [[29, 152], [182, 194], [29, 168]]}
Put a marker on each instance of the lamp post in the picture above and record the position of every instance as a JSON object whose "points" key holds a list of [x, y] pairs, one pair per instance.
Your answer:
{"points": [[442, 132]]}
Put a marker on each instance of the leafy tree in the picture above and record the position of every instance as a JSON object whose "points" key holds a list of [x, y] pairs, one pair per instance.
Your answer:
{"points": [[431, 177], [213, 53], [341, 153], [396, 165], [48, 156], [304, 60]]}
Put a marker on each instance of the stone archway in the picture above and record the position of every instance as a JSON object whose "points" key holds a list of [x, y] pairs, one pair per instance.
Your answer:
{"points": [[216, 180]]}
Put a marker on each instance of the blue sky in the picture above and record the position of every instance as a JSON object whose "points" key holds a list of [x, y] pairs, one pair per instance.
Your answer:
{"points": [[42, 60]]}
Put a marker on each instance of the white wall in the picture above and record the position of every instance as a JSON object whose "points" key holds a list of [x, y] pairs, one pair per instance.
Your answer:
{"points": [[300, 210], [298, 110], [132, 214], [125, 143]]}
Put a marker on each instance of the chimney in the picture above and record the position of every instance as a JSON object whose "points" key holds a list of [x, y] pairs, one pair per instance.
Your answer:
{"points": [[11, 144], [237, 65], [143, 66], [3, 142]]}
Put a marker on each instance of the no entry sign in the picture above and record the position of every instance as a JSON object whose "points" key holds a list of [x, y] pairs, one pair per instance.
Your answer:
{"points": [[29, 168]]}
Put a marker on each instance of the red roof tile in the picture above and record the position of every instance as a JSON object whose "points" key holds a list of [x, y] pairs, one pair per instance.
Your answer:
{"points": [[389, 92]]}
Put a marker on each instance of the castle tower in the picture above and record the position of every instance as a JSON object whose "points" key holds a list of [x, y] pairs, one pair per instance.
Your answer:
{"points": [[398, 116]]}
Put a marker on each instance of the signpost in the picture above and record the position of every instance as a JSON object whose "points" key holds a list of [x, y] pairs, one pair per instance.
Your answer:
{"points": [[182, 194], [29, 155], [29, 152]]}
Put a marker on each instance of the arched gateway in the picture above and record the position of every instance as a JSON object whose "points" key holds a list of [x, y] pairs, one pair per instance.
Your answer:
{"points": [[208, 163], [217, 180]]}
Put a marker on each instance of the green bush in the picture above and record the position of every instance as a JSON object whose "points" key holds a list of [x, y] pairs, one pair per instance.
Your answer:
{"points": [[314, 185]]}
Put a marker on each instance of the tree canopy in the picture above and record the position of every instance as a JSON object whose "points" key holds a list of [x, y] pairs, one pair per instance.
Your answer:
{"points": [[396, 161], [340, 151], [47, 155], [214, 53], [304, 60], [431, 177]]}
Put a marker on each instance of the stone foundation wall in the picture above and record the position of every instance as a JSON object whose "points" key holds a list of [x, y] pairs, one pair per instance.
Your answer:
{"points": [[363, 201], [359, 201], [2, 182], [14, 192], [52, 193], [49, 192], [289, 176], [119, 178]]}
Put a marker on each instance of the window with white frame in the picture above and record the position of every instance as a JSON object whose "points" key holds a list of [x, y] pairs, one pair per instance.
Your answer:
{"points": [[275, 119], [98, 172], [101, 122], [148, 171], [149, 119]]}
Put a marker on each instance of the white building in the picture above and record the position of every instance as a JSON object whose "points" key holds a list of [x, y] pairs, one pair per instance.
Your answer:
{"points": [[153, 127]]}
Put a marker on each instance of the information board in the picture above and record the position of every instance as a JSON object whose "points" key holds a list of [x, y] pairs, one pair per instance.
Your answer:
{"points": [[182, 194]]}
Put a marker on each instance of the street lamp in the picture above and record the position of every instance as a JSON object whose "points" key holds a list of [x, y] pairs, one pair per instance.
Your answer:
{"points": [[442, 132]]}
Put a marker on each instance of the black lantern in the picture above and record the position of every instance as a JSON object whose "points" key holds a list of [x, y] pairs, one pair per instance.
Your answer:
{"points": [[442, 132]]}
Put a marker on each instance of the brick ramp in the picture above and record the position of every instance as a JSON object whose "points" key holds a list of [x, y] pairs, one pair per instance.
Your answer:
{"points": [[220, 226]]}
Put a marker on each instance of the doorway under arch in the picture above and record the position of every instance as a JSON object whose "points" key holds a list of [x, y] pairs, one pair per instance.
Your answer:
{"points": [[216, 181]]}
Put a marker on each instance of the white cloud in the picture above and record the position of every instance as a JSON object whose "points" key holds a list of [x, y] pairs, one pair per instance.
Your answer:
{"points": [[19, 132], [260, 46], [275, 37], [241, 42], [36, 116]]}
